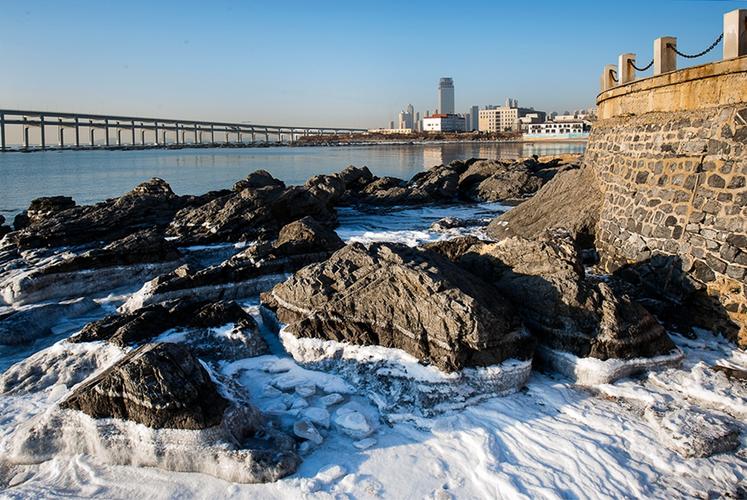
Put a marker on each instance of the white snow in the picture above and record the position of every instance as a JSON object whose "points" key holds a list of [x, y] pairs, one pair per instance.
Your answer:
{"points": [[551, 439]]}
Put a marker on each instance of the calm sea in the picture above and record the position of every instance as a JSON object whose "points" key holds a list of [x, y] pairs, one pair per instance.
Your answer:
{"points": [[92, 176]]}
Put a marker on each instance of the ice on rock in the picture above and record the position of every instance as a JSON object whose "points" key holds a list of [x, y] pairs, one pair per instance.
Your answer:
{"points": [[306, 430], [353, 422], [692, 432], [306, 390], [318, 416], [332, 399], [331, 474], [299, 403], [364, 444]]}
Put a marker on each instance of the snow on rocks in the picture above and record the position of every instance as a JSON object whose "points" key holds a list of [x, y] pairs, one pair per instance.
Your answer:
{"points": [[398, 384], [33, 322], [593, 371], [317, 416], [692, 432], [306, 430], [353, 422]]}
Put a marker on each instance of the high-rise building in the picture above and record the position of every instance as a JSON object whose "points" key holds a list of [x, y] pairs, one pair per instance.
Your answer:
{"points": [[474, 113], [391, 124], [410, 110], [446, 96]]}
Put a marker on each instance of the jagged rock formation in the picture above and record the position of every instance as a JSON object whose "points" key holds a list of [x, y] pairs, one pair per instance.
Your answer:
{"points": [[158, 385], [395, 296], [571, 200], [150, 204], [130, 260], [567, 311], [299, 243], [146, 323]]}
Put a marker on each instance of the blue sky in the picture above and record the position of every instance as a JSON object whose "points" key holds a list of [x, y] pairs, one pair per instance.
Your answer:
{"points": [[326, 62]]}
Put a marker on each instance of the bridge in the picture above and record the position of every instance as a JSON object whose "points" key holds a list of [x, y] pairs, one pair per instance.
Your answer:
{"points": [[140, 132]]}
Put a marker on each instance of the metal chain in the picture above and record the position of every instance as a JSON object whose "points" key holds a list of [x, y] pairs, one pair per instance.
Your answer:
{"points": [[614, 75], [630, 61], [693, 56]]}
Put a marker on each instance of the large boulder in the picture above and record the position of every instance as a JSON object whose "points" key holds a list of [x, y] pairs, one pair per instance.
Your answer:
{"points": [[255, 269], [396, 296], [571, 200], [566, 310], [256, 209], [158, 385], [150, 204]]}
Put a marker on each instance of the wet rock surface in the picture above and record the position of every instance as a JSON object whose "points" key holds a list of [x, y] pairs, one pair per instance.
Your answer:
{"points": [[158, 385], [396, 296]]}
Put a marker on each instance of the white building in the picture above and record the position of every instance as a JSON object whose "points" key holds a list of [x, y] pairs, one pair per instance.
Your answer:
{"points": [[507, 117], [443, 123], [556, 130], [446, 96]]}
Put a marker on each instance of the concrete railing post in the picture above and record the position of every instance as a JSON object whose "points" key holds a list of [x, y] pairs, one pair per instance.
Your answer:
{"points": [[625, 69], [735, 33], [665, 59], [608, 77]]}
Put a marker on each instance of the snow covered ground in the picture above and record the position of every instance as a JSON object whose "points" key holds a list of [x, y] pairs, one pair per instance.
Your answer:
{"points": [[552, 439]]}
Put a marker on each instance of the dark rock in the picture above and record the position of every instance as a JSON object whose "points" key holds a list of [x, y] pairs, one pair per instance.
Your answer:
{"points": [[299, 243], [571, 200], [42, 208], [448, 223], [396, 296], [157, 385], [258, 179], [20, 221], [545, 280], [151, 204], [454, 248], [147, 322]]}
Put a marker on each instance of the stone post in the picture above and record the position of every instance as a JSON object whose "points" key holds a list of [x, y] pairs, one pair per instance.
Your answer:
{"points": [[608, 77], [735, 33], [625, 69], [665, 59]]}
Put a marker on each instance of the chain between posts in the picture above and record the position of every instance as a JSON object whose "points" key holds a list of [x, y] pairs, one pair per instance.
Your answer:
{"points": [[614, 75], [630, 61], [693, 56]]}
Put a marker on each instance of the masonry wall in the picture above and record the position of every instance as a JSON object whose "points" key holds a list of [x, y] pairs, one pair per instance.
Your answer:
{"points": [[673, 171]]}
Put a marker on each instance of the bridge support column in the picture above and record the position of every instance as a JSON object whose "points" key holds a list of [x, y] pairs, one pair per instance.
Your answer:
{"points": [[238, 137], [142, 137], [155, 133], [196, 138], [132, 132], [665, 59], [42, 134], [212, 134], [176, 133], [91, 134], [254, 137], [61, 135], [164, 138], [267, 136], [77, 133], [25, 137], [106, 132], [119, 136], [2, 132], [735, 33]]}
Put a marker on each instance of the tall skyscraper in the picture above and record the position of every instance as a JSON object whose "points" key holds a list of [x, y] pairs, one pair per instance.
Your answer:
{"points": [[474, 113], [446, 96]]}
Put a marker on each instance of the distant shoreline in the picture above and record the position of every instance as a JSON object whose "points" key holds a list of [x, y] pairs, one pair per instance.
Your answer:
{"points": [[377, 142]]}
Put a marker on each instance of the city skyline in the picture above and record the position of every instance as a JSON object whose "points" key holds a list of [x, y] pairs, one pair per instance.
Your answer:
{"points": [[253, 63]]}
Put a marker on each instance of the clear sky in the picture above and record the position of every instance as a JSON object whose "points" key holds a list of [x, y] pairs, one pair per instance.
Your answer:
{"points": [[345, 63]]}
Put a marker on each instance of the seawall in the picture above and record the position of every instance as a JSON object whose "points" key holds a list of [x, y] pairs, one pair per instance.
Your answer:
{"points": [[670, 156]]}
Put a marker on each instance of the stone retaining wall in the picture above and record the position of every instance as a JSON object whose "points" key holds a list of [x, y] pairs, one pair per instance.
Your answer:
{"points": [[673, 171]]}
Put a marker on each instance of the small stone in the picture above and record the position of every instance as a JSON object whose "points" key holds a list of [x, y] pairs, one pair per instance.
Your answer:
{"points": [[306, 390], [332, 399], [318, 416], [306, 430], [353, 423], [299, 404], [364, 444]]}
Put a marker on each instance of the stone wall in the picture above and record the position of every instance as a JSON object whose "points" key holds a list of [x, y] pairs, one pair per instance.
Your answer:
{"points": [[673, 173]]}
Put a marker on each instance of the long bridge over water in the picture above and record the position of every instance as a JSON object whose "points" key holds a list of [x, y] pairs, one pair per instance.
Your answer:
{"points": [[140, 132]]}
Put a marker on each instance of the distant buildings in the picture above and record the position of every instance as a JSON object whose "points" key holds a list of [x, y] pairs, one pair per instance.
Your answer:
{"points": [[446, 96], [506, 118], [474, 113], [556, 130], [443, 123]]}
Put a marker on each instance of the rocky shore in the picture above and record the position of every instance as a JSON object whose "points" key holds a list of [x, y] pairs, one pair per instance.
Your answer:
{"points": [[169, 300]]}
